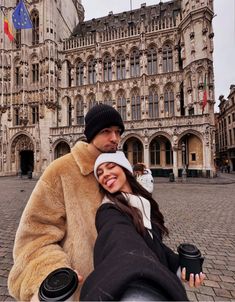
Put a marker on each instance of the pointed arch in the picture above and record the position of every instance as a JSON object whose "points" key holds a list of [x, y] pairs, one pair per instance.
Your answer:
{"points": [[121, 104], [35, 29], [167, 57], [153, 101], [135, 104], [121, 65]]}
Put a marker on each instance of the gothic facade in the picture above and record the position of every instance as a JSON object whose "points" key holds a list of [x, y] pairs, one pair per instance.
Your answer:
{"points": [[225, 132], [152, 64]]}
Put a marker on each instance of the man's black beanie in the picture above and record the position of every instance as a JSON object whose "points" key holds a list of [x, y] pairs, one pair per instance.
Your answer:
{"points": [[99, 117]]}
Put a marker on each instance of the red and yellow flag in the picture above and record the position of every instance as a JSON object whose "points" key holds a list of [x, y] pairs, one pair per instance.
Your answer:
{"points": [[7, 30]]}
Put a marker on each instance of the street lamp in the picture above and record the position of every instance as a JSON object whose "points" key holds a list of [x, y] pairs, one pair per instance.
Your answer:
{"points": [[184, 173]]}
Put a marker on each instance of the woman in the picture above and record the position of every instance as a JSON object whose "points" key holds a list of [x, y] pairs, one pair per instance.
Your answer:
{"points": [[144, 176], [130, 260]]}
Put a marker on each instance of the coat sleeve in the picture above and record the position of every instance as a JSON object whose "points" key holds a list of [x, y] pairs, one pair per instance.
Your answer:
{"points": [[172, 259], [37, 249]]}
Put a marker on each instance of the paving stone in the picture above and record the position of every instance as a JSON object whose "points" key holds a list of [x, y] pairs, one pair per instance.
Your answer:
{"points": [[222, 293], [211, 283], [206, 290], [213, 277], [227, 279], [220, 299], [226, 285], [201, 297]]}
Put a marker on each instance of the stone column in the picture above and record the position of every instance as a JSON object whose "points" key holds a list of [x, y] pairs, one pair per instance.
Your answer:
{"points": [[175, 162]]}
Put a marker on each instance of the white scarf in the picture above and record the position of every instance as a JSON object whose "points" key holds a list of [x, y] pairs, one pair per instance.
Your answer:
{"points": [[141, 204]]}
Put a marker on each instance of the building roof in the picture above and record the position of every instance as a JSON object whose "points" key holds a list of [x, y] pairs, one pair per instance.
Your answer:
{"points": [[129, 18]]}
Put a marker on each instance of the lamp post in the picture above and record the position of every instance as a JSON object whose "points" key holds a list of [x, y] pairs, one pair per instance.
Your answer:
{"points": [[184, 173]]}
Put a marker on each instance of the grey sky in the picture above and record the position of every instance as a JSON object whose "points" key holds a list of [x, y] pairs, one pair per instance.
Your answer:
{"points": [[224, 40]]}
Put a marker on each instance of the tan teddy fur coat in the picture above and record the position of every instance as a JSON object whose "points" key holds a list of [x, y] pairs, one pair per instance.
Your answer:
{"points": [[57, 228]]}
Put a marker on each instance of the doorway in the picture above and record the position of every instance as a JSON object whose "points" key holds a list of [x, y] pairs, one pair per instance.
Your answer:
{"points": [[26, 161]]}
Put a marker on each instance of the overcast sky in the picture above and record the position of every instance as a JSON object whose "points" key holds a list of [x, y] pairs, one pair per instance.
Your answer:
{"points": [[224, 40]]}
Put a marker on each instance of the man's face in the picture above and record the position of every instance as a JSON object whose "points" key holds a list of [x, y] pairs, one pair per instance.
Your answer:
{"points": [[107, 139]]}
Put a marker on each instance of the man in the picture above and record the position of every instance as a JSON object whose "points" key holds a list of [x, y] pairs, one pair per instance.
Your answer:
{"points": [[57, 228]]}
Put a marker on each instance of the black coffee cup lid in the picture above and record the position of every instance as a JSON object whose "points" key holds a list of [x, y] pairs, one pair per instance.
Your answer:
{"points": [[188, 250], [59, 285]]}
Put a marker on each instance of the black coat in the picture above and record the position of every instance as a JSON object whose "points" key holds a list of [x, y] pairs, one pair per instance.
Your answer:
{"points": [[122, 255]]}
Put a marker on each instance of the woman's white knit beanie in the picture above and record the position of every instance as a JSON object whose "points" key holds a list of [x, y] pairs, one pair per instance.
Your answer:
{"points": [[118, 158]]}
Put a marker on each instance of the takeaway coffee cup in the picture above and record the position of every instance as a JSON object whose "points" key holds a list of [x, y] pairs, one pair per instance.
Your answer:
{"points": [[190, 258], [59, 285]]}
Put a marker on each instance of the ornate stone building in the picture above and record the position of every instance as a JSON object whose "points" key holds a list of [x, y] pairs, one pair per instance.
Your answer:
{"points": [[225, 132], [151, 64]]}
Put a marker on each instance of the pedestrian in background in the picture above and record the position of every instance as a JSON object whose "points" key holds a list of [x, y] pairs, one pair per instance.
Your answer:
{"points": [[144, 176]]}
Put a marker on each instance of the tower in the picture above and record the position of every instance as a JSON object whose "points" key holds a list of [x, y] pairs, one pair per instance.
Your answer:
{"points": [[196, 44], [29, 80]]}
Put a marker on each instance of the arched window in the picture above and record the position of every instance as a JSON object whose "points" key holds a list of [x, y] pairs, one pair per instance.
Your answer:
{"points": [[35, 70], [121, 105], [169, 153], [69, 77], [18, 76], [91, 72], [35, 29], [155, 153], [135, 63], [169, 102], [121, 66], [108, 98], [152, 60], [153, 103], [69, 113], [135, 105], [167, 59], [91, 101], [107, 68], [18, 38], [79, 73], [137, 152], [80, 111]]}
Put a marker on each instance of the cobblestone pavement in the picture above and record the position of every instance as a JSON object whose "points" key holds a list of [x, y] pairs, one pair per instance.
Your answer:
{"points": [[200, 212]]}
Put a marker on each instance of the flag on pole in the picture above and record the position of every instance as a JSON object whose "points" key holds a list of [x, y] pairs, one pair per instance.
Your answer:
{"points": [[20, 17], [204, 101], [7, 30]]}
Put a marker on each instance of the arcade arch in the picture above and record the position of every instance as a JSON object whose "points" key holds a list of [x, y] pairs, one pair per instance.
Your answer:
{"points": [[61, 149], [160, 153], [133, 149], [22, 154]]}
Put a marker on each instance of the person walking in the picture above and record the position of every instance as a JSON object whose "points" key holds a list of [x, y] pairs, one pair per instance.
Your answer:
{"points": [[57, 227], [131, 262], [144, 176]]}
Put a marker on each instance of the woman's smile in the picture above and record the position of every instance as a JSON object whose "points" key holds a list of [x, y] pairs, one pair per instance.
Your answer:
{"points": [[112, 177]]}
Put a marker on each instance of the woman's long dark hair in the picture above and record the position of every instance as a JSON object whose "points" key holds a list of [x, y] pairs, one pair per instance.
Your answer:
{"points": [[122, 204]]}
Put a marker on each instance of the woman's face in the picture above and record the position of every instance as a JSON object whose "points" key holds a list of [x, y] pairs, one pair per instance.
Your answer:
{"points": [[112, 178]]}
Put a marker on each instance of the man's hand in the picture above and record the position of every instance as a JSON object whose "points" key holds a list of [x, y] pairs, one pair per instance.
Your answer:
{"points": [[35, 296]]}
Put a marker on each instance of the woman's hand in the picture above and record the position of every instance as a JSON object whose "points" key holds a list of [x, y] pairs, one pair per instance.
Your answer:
{"points": [[194, 281]]}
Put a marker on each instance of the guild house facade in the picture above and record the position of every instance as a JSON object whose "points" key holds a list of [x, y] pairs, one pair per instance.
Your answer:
{"points": [[153, 64], [225, 132]]}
